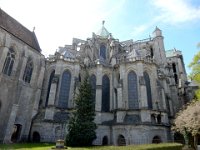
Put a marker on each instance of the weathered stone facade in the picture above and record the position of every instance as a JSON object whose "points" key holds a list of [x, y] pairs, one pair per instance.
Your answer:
{"points": [[137, 87], [19, 97]]}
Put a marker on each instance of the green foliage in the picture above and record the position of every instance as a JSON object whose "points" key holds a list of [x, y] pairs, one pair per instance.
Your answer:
{"points": [[195, 74], [81, 128], [45, 146], [195, 66]]}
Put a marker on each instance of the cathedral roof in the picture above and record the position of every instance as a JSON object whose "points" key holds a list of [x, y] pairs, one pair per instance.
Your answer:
{"points": [[103, 32], [67, 52], [18, 30], [172, 53]]}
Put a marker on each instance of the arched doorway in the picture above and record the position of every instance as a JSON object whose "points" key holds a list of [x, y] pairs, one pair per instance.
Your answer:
{"points": [[156, 139], [36, 137], [16, 132], [105, 140], [121, 141]]}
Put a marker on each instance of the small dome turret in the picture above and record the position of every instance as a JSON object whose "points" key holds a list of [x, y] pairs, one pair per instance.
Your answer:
{"points": [[103, 32]]}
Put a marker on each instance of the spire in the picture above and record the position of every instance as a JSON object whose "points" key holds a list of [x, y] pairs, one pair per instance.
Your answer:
{"points": [[34, 29], [157, 29], [103, 22], [157, 32], [103, 32]]}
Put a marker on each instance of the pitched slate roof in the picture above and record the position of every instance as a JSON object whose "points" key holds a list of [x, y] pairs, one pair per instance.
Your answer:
{"points": [[18, 30]]}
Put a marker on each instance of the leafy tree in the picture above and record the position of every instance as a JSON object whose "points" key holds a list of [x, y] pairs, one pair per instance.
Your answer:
{"points": [[195, 74], [81, 128], [188, 121]]}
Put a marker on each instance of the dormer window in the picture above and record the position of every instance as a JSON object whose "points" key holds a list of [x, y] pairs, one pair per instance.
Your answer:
{"points": [[103, 51]]}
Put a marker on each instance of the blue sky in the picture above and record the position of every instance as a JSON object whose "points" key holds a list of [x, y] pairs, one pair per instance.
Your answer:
{"points": [[57, 22]]}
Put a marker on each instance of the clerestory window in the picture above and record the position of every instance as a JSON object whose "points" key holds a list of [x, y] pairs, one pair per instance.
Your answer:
{"points": [[9, 62], [105, 106], [64, 90], [28, 71], [132, 91], [103, 51], [148, 89]]}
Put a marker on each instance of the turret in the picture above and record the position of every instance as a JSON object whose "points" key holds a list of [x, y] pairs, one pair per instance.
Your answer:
{"points": [[157, 32], [158, 46]]}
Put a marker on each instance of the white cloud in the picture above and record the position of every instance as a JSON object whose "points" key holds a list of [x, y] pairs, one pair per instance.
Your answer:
{"points": [[169, 12], [176, 11], [140, 29]]}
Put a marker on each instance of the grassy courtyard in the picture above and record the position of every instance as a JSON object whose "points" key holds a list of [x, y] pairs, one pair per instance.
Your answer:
{"points": [[47, 146]]}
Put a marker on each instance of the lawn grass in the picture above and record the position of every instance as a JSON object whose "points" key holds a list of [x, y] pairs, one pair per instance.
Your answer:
{"points": [[47, 146]]}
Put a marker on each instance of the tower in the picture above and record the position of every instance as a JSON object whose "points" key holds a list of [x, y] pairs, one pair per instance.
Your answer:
{"points": [[158, 46]]}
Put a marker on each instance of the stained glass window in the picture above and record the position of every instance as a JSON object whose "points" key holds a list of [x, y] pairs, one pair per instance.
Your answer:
{"points": [[103, 51], [28, 71], [132, 91], [9, 62], [64, 90], [105, 106], [148, 89]]}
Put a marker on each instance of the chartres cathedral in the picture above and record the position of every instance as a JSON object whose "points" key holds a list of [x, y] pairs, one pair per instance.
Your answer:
{"points": [[138, 86]]}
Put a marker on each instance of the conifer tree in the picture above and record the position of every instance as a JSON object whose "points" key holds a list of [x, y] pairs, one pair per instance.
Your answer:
{"points": [[81, 127]]}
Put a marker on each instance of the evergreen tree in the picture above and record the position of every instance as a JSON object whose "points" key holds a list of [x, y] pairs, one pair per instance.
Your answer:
{"points": [[81, 127]]}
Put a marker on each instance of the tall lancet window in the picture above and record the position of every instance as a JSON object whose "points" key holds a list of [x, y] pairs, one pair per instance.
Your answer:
{"points": [[132, 91], [64, 90], [93, 85], [148, 89], [105, 106], [103, 51], [49, 87], [9, 62], [28, 70]]}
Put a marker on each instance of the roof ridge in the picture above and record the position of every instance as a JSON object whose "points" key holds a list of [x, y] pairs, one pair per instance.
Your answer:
{"points": [[18, 30]]}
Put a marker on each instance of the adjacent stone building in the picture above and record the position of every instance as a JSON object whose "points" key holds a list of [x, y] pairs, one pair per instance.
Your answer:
{"points": [[137, 86], [22, 68]]}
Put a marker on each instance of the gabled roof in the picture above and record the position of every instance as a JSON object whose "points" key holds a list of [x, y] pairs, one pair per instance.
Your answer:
{"points": [[18, 30]]}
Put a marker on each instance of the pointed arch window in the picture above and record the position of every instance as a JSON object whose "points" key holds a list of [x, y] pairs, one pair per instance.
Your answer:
{"points": [[64, 90], [105, 106], [28, 70], [151, 52], [49, 87], [9, 62], [148, 89], [93, 85], [132, 91], [103, 51]]}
